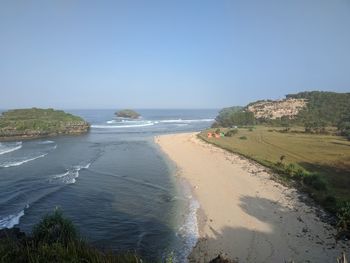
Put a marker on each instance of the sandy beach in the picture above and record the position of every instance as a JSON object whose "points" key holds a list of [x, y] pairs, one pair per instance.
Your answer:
{"points": [[244, 214]]}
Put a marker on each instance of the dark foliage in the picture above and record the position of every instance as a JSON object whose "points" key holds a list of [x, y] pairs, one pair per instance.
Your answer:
{"points": [[235, 116], [54, 228], [54, 239], [344, 125], [323, 108]]}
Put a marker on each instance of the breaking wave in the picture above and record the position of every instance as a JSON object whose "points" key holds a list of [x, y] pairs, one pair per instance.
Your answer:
{"points": [[119, 124], [186, 121], [69, 177], [17, 163], [145, 124], [125, 121], [11, 220], [9, 147], [188, 232], [46, 142]]}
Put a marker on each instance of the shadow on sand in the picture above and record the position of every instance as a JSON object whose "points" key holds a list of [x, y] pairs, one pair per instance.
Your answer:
{"points": [[275, 233]]}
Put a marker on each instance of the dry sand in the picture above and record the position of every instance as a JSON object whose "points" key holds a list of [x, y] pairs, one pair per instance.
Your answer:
{"points": [[244, 214]]}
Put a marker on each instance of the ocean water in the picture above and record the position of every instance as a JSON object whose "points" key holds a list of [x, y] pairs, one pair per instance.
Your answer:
{"points": [[114, 183]]}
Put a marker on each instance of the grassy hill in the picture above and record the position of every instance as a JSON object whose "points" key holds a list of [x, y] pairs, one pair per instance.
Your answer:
{"points": [[322, 110], [323, 106]]}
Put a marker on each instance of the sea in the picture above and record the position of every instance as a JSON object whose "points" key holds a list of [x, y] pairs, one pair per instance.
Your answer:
{"points": [[114, 183]]}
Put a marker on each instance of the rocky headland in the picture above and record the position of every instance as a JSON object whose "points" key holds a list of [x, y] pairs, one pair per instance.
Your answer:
{"points": [[36, 123]]}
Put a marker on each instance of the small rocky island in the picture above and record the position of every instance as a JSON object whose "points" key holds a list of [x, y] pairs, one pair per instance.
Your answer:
{"points": [[127, 114], [35, 123]]}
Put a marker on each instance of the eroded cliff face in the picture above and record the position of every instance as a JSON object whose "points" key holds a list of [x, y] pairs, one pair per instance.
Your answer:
{"points": [[277, 109], [65, 128]]}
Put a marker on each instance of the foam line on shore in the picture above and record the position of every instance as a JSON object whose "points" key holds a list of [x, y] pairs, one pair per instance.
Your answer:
{"points": [[10, 221]]}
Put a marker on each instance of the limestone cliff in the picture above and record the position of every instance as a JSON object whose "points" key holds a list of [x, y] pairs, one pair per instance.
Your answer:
{"points": [[273, 109]]}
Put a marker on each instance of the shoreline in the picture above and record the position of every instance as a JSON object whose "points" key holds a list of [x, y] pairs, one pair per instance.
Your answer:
{"points": [[244, 214]]}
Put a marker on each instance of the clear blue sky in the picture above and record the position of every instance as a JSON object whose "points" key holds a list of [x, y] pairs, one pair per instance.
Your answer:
{"points": [[170, 54]]}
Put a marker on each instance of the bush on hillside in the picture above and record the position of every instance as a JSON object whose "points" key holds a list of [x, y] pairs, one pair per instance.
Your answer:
{"points": [[54, 239], [54, 228], [344, 125], [232, 132], [323, 106], [315, 181], [344, 217], [234, 116]]}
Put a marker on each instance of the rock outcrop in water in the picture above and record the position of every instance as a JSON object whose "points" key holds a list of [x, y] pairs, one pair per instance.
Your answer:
{"points": [[128, 114], [35, 123]]}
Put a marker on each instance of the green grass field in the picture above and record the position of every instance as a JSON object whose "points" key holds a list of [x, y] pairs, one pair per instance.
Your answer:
{"points": [[327, 155]]}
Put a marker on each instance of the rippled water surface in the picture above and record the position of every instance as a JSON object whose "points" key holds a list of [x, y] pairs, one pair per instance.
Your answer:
{"points": [[113, 182]]}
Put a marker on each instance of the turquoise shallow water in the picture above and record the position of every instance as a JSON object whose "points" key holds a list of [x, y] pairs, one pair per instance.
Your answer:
{"points": [[114, 182]]}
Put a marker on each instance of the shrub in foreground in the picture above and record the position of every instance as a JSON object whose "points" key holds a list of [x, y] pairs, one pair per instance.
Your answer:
{"points": [[54, 228], [54, 239]]}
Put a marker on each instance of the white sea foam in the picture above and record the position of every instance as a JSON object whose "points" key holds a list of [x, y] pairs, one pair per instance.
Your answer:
{"points": [[127, 121], [17, 163], [9, 147], [11, 220], [46, 142], [61, 175], [69, 177], [142, 123], [189, 232], [79, 167], [186, 121], [149, 123]]}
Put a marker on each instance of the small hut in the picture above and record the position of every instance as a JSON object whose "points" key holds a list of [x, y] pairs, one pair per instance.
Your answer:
{"points": [[217, 135], [222, 134], [210, 135]]}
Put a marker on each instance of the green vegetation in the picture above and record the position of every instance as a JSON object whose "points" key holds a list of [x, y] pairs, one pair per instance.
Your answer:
{"points": [[231, 132], [234, 116], [224, 117], [319, 164], [344, 219], [344, 125], [127, 114], [36, 122], [55, 229], [55, 239], [323, 108]]}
